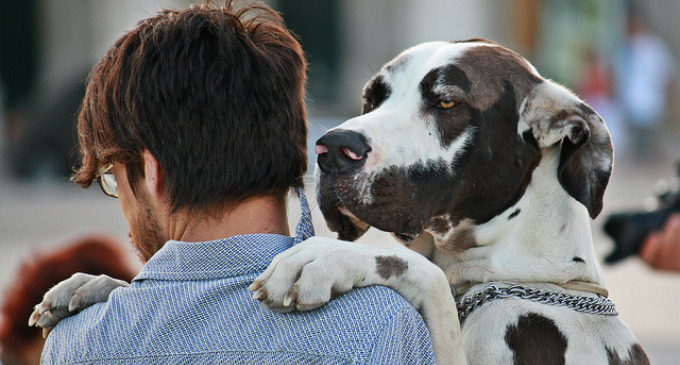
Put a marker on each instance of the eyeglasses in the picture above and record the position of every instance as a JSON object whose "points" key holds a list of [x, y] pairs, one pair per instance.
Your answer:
{"points": [[108, 183]]}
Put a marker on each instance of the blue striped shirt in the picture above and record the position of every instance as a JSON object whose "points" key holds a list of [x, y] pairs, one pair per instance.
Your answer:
{"points": [[190, 305]]}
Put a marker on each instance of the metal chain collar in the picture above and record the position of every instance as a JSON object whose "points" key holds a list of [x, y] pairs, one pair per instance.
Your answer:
{"points": [[592, 305]]}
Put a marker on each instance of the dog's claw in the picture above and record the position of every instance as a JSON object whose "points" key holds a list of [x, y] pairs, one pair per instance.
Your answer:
{"points": [[45, 332], [257, 284], [290, 297], [33, 319]]}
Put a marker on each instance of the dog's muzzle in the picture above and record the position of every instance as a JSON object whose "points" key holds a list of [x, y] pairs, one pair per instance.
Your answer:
{"points": [[340, 155], [351, 201]]}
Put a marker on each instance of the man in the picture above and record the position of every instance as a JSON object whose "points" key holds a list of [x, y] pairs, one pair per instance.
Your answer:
{"points": [[195, 120]]}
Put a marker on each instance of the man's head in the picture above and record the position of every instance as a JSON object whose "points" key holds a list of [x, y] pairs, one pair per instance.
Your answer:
{"points": [[214, 95]]}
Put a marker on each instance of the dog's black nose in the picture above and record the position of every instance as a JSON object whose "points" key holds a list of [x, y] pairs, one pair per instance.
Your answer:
{"points": [[341, 150]]}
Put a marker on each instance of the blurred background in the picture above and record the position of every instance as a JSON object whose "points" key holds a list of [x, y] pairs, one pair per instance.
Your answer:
{"points": [[620, 56]]}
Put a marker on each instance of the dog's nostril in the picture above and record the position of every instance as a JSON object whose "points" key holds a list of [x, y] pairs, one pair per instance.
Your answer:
{"points": [[351, 154], [320, 149]]}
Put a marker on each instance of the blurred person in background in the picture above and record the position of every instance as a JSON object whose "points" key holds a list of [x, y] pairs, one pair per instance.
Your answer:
{"points": [[645, 70], [595, 87], [95, 254], [661, 249]]}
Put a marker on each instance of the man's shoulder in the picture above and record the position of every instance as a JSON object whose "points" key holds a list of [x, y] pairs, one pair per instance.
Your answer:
{"points": [[200, 321], [374, 299], [381, 324], [76, 332]]}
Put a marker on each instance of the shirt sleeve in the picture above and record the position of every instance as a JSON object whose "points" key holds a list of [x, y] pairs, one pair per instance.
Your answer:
{"points": [[404, 340]]}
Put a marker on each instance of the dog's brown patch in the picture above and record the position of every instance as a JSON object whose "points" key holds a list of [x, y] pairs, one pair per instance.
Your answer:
{"points": [[489, 67], [514, 214], [463, 237], [536, 340], [636, 356], [440, 225], [388, 266]]}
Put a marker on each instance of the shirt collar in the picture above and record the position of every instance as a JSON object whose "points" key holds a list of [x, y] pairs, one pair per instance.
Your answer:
{"points": [[232, 256]]}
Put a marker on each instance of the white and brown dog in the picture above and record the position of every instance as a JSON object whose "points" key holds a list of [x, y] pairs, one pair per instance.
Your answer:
{"points": [[486, 170], [492, 172]]}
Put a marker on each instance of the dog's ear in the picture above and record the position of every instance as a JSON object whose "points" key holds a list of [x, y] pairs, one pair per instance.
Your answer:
{"points": [[557, 118]]}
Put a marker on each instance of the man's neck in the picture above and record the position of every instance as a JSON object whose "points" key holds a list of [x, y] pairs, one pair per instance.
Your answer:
{"points": [[255, 215]]}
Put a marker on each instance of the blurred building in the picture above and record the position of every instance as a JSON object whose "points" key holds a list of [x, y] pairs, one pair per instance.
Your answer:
{"points": [[373, 32], [48, 47], [346, 42]]}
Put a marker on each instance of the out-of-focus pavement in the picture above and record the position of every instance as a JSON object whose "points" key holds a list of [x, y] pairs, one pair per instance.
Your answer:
{"points": [[45, 214]]}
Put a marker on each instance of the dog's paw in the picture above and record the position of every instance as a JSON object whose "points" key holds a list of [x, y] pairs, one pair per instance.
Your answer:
{"points": [[71, 296], [308, 275]]}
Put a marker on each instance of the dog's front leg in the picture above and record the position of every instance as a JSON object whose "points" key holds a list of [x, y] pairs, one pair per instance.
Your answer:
{"points": [[311, 273]]}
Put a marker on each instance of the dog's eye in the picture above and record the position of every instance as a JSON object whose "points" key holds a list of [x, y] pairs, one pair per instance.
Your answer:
{"points": [[447, 104]]}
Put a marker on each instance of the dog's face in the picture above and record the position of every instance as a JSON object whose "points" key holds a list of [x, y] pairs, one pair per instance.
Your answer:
{"points": [[450, 131]]}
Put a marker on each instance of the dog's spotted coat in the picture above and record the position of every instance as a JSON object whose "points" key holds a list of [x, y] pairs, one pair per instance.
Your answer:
{"points": [[473, 159]]}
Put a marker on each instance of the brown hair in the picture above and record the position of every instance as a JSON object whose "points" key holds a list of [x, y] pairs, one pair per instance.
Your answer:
{"points": [[95, 255], [215, 95]]}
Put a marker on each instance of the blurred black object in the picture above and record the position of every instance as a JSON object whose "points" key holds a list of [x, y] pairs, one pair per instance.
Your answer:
{"points": [[630, 229], [44, 140]]}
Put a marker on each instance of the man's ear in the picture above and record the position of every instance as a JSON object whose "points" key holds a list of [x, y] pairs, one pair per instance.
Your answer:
{"points": [[557, 118], [153, 175]]}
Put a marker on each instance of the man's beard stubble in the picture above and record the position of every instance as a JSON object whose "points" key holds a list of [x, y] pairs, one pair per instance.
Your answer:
{"points": [[145, 234]]}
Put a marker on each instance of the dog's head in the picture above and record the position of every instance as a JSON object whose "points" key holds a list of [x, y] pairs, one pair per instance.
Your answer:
{"points": [[455, 130]]}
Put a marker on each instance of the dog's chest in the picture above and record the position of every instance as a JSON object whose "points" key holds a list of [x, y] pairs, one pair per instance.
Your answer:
{"points": [[516, 331]]}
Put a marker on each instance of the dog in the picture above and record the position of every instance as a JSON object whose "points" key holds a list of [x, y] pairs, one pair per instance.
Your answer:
{"points": [[492, 172], [490, 175]]}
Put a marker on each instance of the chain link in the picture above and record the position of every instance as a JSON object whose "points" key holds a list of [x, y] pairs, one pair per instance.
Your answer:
{"points": [[591, 305]]}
